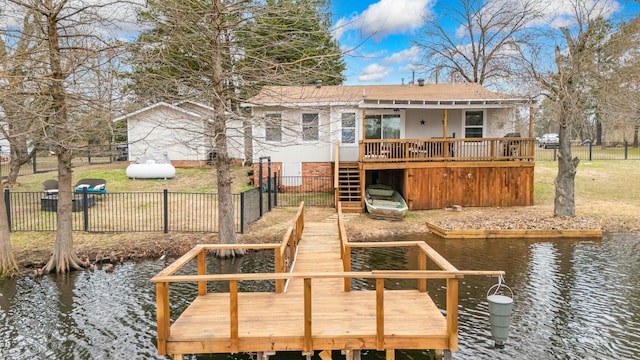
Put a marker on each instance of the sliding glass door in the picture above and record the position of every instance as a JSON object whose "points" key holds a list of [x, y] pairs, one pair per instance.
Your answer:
{"points": [[382, 126]]}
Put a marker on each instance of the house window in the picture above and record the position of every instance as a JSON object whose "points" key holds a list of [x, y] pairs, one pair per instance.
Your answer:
{"points": [[309, 127], [348, 128], [273, 127], [473, 124], [382, 127]]}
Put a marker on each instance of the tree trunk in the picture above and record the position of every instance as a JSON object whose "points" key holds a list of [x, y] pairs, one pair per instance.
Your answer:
{"points": [[564, 203], [636, 130], [8, 266], [63, 259], [598, 133], [226, 222]]}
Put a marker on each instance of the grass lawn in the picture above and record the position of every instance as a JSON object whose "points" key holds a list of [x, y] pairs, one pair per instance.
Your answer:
{"points": [[601, 186], [199, 180], [603, 189]]}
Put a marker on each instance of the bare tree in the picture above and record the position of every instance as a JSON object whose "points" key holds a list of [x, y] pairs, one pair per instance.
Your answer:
{"points": [[571, 89], [71, 41], [485, 44], [20, 102], [499, 42]]}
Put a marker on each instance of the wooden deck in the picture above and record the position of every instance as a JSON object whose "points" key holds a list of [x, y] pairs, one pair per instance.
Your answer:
{"points": [[316, 309]]}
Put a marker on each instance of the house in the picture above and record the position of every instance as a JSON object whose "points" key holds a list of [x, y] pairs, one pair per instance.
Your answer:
{"points": [[438, 144], [179, 130]]}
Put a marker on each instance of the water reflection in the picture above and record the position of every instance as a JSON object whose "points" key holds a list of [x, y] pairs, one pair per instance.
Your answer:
{"points": [[573, 300]]}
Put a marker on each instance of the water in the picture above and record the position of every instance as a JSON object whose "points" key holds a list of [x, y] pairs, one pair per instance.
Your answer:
{"points": [[573, 300]]}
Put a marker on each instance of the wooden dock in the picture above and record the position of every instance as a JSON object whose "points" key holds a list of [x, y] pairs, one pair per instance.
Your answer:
{"points": [[313, 306]]}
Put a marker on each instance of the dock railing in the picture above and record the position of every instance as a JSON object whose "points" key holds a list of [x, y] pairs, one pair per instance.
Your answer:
{"points": [[447, 271], [199, 252]]}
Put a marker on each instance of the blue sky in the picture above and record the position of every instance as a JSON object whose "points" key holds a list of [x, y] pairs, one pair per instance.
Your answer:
{"points": [[378, 35]]}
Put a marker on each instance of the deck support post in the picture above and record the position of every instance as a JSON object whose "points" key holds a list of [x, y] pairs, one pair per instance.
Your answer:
{"points": [[391, 354], [163, 316], [380, 314], [308, 342], [309, 355], [351, 354], [202, 270], [348, 354], [176, 356], [422, 265], [452, 313], [233, 315]]}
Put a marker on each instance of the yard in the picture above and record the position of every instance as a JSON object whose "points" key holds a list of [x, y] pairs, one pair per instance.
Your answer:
{"points": [[607, 195]]}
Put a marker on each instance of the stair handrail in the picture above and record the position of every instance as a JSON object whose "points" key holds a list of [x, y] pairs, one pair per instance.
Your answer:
{"points": [[336, 175]]}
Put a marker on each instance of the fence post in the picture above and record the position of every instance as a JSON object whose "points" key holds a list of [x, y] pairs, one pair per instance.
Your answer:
{"points": [[89, 154], [7, 204], [260, 187], [242, 212], [626, 150], [165, 204], [269, 189], [35, 167], [554, 153], [590, 150], [85, 208], [277, 186]]}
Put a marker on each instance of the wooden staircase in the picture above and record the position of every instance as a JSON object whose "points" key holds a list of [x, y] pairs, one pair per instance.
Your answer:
{"points": [[349, 187]]}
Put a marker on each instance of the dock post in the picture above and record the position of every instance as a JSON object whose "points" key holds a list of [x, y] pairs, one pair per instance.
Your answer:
{"points": [[348, 354], [351, 354], [391, 354]]}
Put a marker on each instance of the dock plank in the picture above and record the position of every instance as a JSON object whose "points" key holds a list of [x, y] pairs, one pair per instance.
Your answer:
{"points": [[340, 320]]}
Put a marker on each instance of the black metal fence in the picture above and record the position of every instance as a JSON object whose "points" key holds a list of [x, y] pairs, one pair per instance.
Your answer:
{"points": [[164, 211], [45, 161], [588, 152], [131, 211], [313, 190]]}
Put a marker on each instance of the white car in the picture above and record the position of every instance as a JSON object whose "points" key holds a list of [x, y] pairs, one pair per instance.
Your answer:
{"points": [[549, 141]]}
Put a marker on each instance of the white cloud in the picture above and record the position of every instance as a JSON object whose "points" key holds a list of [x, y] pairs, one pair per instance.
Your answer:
{"points": [[374, 72], [386, 17], [409, 55]]}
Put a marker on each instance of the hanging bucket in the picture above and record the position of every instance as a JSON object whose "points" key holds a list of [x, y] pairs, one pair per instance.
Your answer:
{"points": [[500, 309]]}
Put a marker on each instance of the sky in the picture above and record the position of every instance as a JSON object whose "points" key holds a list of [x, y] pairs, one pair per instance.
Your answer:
{"points": [[379, 36]]}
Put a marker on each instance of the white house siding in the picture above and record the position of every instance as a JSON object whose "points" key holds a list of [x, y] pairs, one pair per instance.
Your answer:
{"points": [[235, 139], [166, 131], [292, 149]]}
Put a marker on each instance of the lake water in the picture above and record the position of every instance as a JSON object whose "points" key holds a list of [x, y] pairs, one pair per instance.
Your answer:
{"points": [[573, 300]]}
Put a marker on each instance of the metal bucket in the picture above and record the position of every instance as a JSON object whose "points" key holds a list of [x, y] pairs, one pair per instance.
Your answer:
{"points": [[500, 309]]}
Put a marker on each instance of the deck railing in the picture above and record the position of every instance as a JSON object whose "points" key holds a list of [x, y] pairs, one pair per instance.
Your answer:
{"points": [[447, 272], [425, 252], [449, 149]]}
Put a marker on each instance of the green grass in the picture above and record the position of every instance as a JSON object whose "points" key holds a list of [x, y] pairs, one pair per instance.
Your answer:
{"points": [[196, 180], [613, 181]]}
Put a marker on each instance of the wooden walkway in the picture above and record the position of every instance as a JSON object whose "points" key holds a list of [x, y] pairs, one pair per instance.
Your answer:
{"points": [[316, 310]]}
